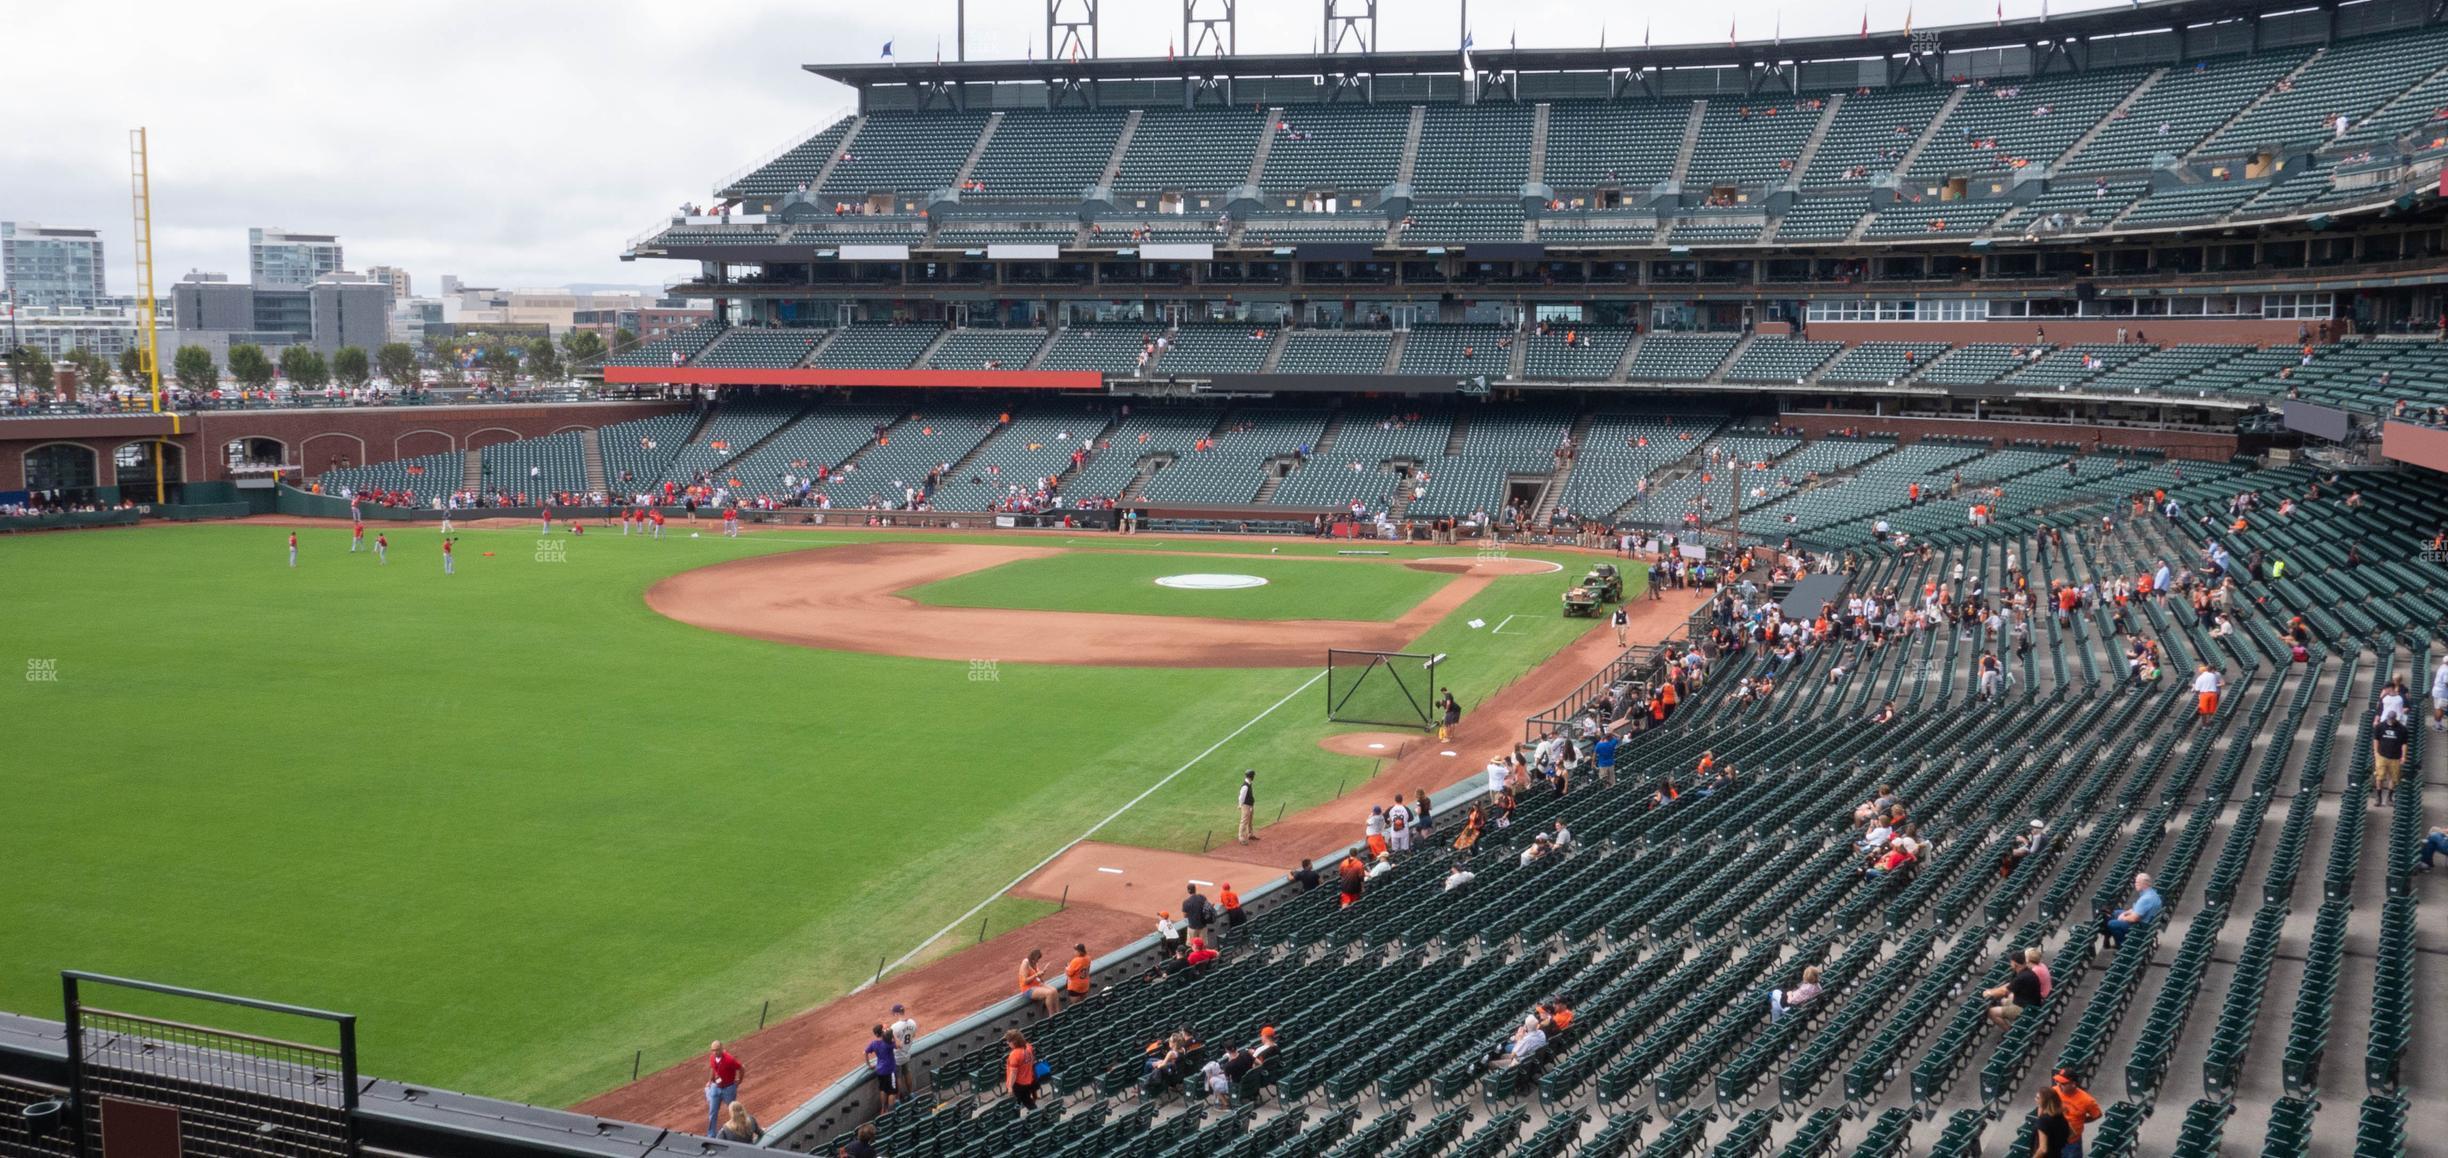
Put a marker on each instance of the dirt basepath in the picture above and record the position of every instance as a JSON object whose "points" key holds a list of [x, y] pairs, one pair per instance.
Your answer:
{"points": [[796, 1059], [845, 598]]}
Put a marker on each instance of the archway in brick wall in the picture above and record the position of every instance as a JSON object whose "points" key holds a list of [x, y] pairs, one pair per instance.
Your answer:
{"points": [[423, 442], [330, 451]]}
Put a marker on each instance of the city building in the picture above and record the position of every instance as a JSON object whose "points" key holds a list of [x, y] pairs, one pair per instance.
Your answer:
{"points": [[277, 257], [108, 330], [348, 309], [396, 277], [43, 266]]}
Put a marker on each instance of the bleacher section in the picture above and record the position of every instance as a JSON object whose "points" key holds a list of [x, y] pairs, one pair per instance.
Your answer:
{"points": [[1189, 150], [1679, 357], [868, 346], [1335, 352], [1462, 223], [1227, 472], [1353, 150], [1048, 155], [973, 349], [1877, 363], [1780, 359], [429, 477], [538, 466], [1035, 446], [1593, 354], [1216, 348], [729, 433], [1471, 150], [1628, 145], [634, 453], [823, 439], [1745, 142], [2004, 126], [756, 347], [1870, 133], [1112, 349], [1144, 432], [2352, 78], [2185, 106], [1457, 350], [909, 153], [797, 166], [672, 349], [1354, 469]]}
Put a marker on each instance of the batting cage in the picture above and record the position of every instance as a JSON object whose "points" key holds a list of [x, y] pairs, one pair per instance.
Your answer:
{"points": [[1394, 688]]}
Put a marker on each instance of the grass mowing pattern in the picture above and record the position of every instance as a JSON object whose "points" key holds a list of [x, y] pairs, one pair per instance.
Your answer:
{"points": [[1296, 588], [524, 826]]}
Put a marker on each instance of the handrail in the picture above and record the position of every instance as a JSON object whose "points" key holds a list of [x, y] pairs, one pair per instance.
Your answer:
{"points": [[839, 114]]}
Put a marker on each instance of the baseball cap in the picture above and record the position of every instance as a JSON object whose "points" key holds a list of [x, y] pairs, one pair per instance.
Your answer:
{"points": [[2066, 1076], [898, 1008], [2037, 823]]}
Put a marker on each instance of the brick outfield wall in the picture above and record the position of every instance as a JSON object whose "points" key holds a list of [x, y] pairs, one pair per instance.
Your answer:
{"points": [[2192, 444], [316, 440]]}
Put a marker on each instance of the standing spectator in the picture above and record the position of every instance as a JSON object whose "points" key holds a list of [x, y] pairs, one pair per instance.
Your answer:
{"points": [[2206, 691], [1306, 876], [1169, 934], [1230, 902], [1249, 806], [1351, 878], [2388, 757], [1604, 752], [2054, 1133], [1020, 1071], [1032, 982], [884, 1062], [904, 1032], [1420, 817], [1078, 979], [1623, 624], [723, 1089], [2439, 697], [2081, 1109], [2146, 904], [1195, 910]]}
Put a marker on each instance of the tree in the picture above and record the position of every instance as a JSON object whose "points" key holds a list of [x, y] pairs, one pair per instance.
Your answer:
{"points": [[30, 368], [304, 368], [193, 366], [348, 364], [131, 367], [502, 359], [622, 339], [544, 360], [93, 371], [579, 347], [249, 366], [398, 363]]}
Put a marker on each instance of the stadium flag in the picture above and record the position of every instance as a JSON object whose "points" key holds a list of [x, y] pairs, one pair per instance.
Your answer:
{"points": [[1168, 49], [1780, 26], [1908, 20], [1466, 47], [1731, 39], [939, 50], [1602, 36], [2001, 13], [887, 51], [1514, 40], [1644, 34], [1865, 22]]}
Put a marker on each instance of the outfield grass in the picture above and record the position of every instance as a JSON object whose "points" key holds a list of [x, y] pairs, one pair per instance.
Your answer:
{"points": [[524, 826], [1296, 587]]}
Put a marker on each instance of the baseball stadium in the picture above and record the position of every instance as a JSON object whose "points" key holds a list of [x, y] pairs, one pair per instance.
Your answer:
{"points": [[1870, 594]]}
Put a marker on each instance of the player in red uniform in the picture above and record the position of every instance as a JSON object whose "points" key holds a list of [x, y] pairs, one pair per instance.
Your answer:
{"points": [[655, 515], [356, 537], [446, 557], [293, 548], [382, 547]]}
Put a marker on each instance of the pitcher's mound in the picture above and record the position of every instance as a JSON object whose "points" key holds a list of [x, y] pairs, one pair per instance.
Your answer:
{"points": [[1372, 745]]}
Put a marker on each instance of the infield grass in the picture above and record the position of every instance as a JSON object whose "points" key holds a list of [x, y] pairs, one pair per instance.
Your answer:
{"points": [[1296, 587], [525, 827]]}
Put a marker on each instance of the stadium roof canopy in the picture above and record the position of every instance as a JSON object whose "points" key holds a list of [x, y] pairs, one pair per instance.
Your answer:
{"points": [[2158, 16]]}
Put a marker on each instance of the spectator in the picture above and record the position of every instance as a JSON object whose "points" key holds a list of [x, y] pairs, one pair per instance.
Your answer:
{"points": [[1461, 876], [1078, 975], [2040, 969], [2146, 905], [1450, 714], [2020, 992], [2388, 757], [1306, 876], [2081, 1109], [1195, 910], [1201, 954], [1527, 1040], [723, 1089], [1169, 934], [1784, 1001], [1020, 1071], [1230, 902], [861, 1144], [739, 1126], [884, 1062], [1249, 806], [2027, 842], [1032, 982], [1352, 878], [904, 1031], [2434, 843], [2054, 1133]]}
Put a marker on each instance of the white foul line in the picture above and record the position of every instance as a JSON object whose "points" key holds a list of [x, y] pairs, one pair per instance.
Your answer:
{"points": [[1093, 829], [1499, 628]]}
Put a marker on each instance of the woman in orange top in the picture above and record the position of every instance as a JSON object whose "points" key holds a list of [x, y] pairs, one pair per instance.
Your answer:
{"points": [[1032, 981], [1020, 1071]]}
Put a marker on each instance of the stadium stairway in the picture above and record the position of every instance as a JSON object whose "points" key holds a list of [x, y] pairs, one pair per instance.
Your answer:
{"points": [[2276, 88], [472, 479], [1275, 350], [1394, 351], [1540, 114], [969, 164], [1409, 165], [1690, 142], [1266, 145], [1937, 122], [590, 444], [1122, 142], [1818, 136], [2132, 97]]}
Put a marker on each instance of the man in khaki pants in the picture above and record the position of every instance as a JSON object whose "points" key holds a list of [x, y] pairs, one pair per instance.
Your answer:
{"points": [[1249, 806]]}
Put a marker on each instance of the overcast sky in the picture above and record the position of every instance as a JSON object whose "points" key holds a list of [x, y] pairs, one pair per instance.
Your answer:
{"points": [[522, 142]]}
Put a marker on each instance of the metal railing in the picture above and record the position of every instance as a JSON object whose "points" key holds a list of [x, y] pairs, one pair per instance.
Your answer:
{"points": [[839, 114]]}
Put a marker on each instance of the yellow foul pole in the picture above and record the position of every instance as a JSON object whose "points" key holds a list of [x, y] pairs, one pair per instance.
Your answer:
{"points": [[148, 344]]}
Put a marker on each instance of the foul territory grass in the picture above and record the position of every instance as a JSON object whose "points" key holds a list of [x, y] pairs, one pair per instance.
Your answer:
{"points": [[523, 826], [1296, 587]]}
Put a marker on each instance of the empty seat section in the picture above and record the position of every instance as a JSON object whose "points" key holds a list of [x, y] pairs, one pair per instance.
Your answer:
{"points": [[1190, 150], [1621, 449], [1356, 467], [796, 167], [2073, 365], [1679, 357], [905, 152], [429, 477], [759, 347], [1774, 358], [1710, 228], [734, 428], [672, 349], [538, 466], [958, 237], [2190, 203], [1935, 218], [1598, 230], [1829, 217], [1055, 156], [2353, 78], [1628, 145], [1335, 352], [1036, 445], [1976, 363], [634, 453], [2162, 369], [1461, 223], [877, 346], [1281, 229], [974, 349], [1467, 150], [2074, 206], [929, 439]]}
